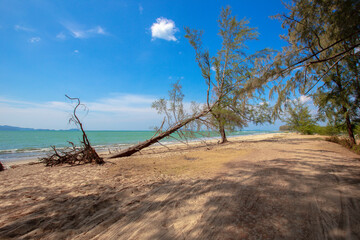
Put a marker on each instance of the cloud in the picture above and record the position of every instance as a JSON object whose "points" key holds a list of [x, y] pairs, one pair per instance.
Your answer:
{"points": [[61, 36], [97, 30], [22, 28], [34, 39], [76, 51], [78, 32], [118, 112], [164, 29], [304, 99], [141, 9]]}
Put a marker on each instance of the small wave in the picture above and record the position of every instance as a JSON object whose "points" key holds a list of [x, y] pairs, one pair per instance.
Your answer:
{"points": [[30, 150], [8, 151]]}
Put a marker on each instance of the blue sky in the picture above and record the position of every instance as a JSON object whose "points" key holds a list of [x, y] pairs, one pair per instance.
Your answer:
{"points": [[116, 56]]}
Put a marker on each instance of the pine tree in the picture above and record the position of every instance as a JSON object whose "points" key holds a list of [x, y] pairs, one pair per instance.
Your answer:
{"points": [[321, 58], [299, 118], [228, 74]]}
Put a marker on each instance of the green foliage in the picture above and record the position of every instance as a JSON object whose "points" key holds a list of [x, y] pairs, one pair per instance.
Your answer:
{"points": [[357, 130], [327, 130], [172, 108], [338, 98], [228, 73], [356, 149], [322, 58], [299, 118], [175, 114], [345, 142], [284, 128]]}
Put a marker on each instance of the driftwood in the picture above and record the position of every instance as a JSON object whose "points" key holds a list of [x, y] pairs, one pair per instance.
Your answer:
{"points": [[72, 156], [84, 154], [133, 149]]}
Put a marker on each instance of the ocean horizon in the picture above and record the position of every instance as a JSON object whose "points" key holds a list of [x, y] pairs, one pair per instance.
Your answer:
{"points": [[22, 145]]}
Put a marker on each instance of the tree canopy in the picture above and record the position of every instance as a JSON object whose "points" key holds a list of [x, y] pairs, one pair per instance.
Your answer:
{"points": [[321, 57], [299, 118], [228, 73]]}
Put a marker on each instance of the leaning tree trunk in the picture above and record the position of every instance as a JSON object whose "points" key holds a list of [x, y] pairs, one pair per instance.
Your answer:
{"points": [[222, 133], [349, 127], [133, 149]]}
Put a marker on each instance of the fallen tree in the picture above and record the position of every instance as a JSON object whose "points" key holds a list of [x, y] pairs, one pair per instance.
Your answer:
{"points": [[226, 88], [84, 154], [158, 136]]}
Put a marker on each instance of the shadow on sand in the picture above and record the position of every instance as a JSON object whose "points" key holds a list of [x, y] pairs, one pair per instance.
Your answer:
{"points": [[311, 195]]}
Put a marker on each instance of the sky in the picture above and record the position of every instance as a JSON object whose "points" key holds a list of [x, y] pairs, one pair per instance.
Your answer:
{"points": [[116, 56]]}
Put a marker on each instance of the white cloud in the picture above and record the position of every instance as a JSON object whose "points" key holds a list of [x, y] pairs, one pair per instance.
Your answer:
{"points": [[164, 29], [61, 36], [79, 32], [76, 51], [97, 30], [262, 103], [34, 39], [141, 9], [119, 112], [22, 28], [304, 99]]}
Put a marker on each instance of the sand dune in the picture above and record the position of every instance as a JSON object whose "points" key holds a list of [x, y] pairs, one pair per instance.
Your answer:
{"points": [[275, 186]]}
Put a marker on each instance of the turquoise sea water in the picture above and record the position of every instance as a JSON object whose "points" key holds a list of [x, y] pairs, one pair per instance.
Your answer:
{"points": [[19, 145]]}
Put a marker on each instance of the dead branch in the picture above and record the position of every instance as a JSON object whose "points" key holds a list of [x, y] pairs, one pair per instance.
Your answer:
{"points": [[72, 155], [164, 145], [133, 149]]}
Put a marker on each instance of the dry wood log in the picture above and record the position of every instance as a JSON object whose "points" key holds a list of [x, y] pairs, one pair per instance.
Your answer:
{"points": [[133, 149]]}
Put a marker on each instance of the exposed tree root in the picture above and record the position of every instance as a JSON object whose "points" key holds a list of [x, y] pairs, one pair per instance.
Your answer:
{"points": [[72, 156], [85, 154]]}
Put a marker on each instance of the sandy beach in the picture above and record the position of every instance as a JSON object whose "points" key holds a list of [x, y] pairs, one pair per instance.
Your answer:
{"points": [[271, 186]]}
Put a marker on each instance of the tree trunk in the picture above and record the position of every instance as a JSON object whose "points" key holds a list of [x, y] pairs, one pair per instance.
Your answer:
{"points": [[133, 149], [222, 133], [349, 128]]}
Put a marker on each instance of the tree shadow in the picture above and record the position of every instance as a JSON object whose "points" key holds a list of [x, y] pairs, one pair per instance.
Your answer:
{"points": [[311, 197]]}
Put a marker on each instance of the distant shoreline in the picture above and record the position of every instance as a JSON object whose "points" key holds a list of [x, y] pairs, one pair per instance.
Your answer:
{"points": [[105, 152]]}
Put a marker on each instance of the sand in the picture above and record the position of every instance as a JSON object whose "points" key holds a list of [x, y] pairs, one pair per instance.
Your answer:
{"points": [[273, 186]]}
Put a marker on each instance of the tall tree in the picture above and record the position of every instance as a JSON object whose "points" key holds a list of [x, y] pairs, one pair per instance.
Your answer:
{"points": [[299, 118], [323, 37], [227, 93], [174, 112], [232, 68], [339, 97]]}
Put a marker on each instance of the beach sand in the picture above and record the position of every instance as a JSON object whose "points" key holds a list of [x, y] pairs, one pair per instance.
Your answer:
{"points": [[271, 186]]}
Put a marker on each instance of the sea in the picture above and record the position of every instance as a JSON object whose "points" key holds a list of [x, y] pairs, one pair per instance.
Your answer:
{"points": [[23, 145]]}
